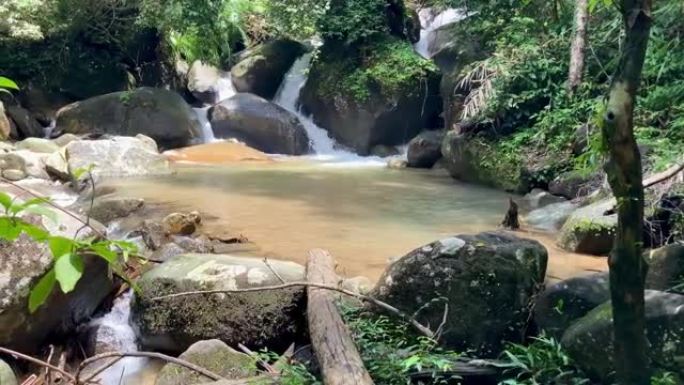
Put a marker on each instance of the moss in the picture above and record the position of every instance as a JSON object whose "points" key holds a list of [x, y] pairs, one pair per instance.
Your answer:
{"points": [[495, 165]]}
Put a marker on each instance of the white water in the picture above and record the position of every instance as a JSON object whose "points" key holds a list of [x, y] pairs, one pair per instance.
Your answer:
{"points": [[430, 21], [225, 90], [116, 332], [325, 148]]}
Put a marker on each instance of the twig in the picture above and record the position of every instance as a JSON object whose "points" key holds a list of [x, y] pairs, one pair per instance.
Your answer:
{"points": [[209, 374], [38, 362], [273, 270], [445, 318], [263, 363], [417, 325]]}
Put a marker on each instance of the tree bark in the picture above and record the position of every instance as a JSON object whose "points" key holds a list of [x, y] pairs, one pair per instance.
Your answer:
{"points": [[627, 266], [579, 43], [330, 338]]}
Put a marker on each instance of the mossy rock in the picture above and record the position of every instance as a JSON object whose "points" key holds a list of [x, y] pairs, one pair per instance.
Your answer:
{"points": [[262, 69], [272, 319], [589, 341], [379, 93], [488, 280], [213, 355], [589, 230]]}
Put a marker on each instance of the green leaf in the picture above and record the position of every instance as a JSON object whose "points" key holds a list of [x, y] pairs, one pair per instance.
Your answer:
{"points": [[60, 246], [5, 200], [8, 83], [43, 211], [41, 291], [68, 270], [10, 228], [35, 232], [103, 250], [16, 209], [79, 172]]}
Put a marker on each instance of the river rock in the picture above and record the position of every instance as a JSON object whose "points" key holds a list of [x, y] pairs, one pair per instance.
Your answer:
{"points": [[166, 252], [589, 341], [563, 303], [551, 217], [57, 167], [27, 126], [397, 163], [203, 82], [665, 267], [425, 149], [213, 355], [40, 145], [573, 184], [22, 263], [160, 114], [272, 319], [108, 208], [488, 281], [361, 113], [7, 376], [116, 157], [538, 198], [13, 175], [384, 151], [5, 129], [260, 124], [589, 230], [262, 70], [181, 224], [65, 139]]}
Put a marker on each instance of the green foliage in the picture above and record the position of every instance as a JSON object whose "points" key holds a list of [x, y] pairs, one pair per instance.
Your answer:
{"points": [[352, 21], [67, 253], [391, 351], [291, 372], [543, 362]]}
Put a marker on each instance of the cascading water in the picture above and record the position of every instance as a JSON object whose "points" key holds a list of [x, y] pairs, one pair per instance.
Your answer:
{"points": [[225, 90], [431, 21]]}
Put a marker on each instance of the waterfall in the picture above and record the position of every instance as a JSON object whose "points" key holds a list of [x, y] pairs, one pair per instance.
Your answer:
{"points": [[431, 21], [116, 332], [224, 90]]}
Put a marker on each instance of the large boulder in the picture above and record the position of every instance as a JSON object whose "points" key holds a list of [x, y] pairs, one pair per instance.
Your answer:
{"points": [[383, 93], [7, 376], [262, 70], [487, 280], [573, 184], [23, 263], [425, 149], [160, 114], [260, 124], [26, 125], [665, 267], [116, 157], [589, 341], [271, 319], [203, 82], [590, 229], [5, 128], [213, 355], [551, 217]]}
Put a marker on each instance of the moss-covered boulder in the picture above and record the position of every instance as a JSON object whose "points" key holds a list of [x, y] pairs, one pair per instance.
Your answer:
{"points": [[574, 184], [589, 341], [378, 93], [213, 355], [271, 319], [260, 124], [425, 149], [665, 267], [590, 229], [160, 114], [262, 70], [487, 280]]}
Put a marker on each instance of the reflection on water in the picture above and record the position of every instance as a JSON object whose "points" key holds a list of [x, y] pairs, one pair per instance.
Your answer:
{"points": [[364, 216]]}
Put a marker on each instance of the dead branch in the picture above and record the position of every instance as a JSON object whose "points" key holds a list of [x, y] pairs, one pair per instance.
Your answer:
{"points": [[36, 361], [273, 270], [663, 176], [383, 305]]}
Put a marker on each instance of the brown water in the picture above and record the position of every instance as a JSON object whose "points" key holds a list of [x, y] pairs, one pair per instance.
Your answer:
{"points": [[363, 215]]}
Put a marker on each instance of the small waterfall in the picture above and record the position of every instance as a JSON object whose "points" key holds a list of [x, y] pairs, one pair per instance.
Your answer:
{"points": [[225, 90], [116, 332], [50, 128], [430, 21]]}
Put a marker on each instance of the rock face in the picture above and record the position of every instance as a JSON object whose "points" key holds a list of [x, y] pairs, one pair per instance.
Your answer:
{"points": [[213, 355], [116, 157], [665, 267], [589, 341], [22, 263], [203, 82], [589, 230], [262, 70], [488, 281], [260, 124], [361, 114], [425, 149], [560, 305], [271, 318], [160, 114]]}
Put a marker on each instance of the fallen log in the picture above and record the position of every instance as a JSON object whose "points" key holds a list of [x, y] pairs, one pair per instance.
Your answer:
{"points": [[333, 346]]}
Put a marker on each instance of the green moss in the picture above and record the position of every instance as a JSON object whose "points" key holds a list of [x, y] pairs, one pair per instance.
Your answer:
{"points": [[496, 165]]}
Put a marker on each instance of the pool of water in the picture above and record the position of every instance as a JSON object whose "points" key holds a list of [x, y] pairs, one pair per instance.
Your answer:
{"points": [[364, 215]]}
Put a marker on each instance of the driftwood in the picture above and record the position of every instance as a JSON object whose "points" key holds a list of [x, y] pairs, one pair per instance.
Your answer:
{"points": [[330, 338], [663, 176], [511, 220]]}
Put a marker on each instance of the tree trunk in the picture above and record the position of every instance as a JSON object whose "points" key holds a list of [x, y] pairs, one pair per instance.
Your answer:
{"points": [[579, 43], [330, 338], [627, 266]]}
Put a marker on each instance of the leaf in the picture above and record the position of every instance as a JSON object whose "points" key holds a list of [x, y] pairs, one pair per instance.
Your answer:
{"points": [[60, 246], [16, 209], [5, 200], [79, 172], [35, 232], [8, 83], [41, 291], [68, 270], [43, 211], [10, 228], [103, 250]]}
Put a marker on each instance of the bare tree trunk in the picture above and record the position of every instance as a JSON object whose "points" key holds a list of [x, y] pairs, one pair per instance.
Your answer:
{"points": [[627, 266], [579, 43]]}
